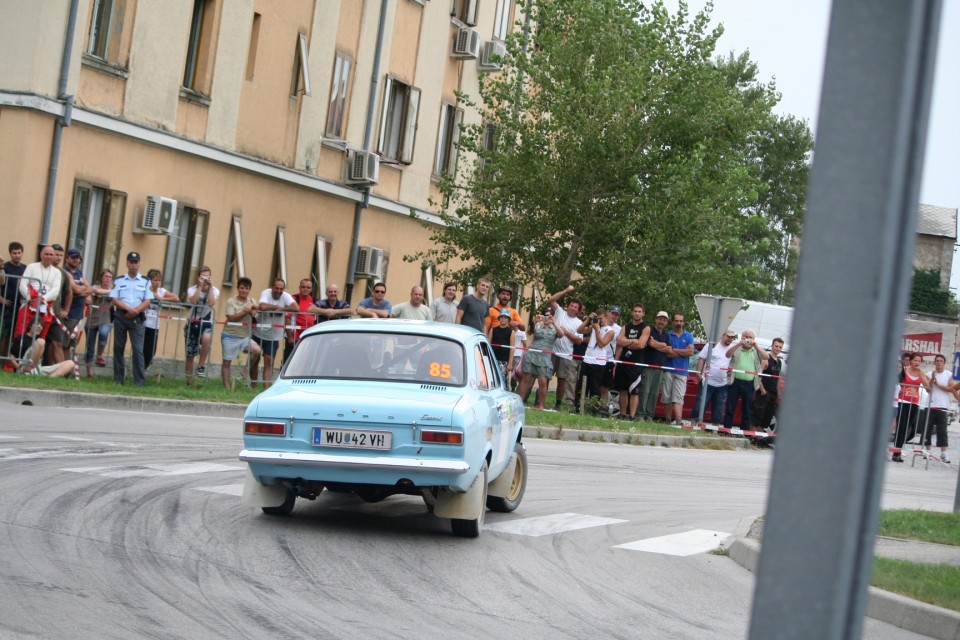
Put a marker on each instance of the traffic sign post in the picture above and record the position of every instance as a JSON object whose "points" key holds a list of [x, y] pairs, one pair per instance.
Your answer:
{"points": [[716, 314]]}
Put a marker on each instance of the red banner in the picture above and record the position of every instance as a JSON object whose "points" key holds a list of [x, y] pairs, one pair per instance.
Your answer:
{"points": [[926, 344]]}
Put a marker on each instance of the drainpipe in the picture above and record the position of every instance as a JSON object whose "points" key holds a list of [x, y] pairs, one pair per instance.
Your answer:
{"points": [[368, 128], [60, 123]]}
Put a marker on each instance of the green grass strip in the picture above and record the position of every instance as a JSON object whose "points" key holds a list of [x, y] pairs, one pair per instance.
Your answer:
{"points": [[937, 584], [928, 526]]}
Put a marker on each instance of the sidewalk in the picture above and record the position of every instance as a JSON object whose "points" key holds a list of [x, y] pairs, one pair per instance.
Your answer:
{"points": [[911, 615]]}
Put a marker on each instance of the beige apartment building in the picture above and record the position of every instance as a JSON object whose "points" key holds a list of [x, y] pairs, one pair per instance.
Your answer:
{"points": [[257, 137]]}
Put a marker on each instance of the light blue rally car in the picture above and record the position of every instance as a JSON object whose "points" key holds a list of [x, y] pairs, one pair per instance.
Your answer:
{"points": [[384, 407]]}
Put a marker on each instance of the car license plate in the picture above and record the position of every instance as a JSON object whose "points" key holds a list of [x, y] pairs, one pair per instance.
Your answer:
{"points": [[351, 438]]}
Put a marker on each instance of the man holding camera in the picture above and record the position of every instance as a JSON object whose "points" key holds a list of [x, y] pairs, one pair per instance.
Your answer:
{"points": [[199, 330], [747, 359], [130, 297]]}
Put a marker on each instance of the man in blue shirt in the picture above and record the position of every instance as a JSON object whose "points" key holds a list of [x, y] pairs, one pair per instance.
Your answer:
{"points": [[131, 296], [375, 306], [674, 385]]}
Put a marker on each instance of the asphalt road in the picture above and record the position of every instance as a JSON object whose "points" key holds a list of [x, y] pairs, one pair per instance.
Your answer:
{"points": [[125, 525]]}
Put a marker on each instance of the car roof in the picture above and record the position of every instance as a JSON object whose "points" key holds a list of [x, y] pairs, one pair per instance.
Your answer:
{"points": [[458, 332]]}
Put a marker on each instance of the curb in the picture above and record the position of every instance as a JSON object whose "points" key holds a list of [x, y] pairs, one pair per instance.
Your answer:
{"points": [[76, 399], [900, 611]]}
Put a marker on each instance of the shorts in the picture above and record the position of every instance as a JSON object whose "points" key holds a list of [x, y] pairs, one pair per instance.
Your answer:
{"points": [[673, 388], [269, 346], [62, 334], [566, 369], [233, 345], [607, 380], [193, 333], [628, 378]]}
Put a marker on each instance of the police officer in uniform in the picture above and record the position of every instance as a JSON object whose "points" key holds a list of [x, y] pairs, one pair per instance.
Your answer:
{"points": [[131, 296]]}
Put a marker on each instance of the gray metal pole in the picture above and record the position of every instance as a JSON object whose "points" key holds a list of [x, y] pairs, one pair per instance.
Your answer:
{"points": [[853, 283], [367, 130]]}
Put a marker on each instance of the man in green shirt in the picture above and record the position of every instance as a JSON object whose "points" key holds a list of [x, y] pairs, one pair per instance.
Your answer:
{"points": [[747, 359]]}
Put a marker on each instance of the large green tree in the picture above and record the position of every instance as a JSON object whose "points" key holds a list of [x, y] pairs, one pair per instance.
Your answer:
{"points": [[618, 152]]}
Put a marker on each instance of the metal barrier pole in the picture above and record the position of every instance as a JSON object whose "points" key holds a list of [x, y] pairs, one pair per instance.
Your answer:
{"points": [[858, 243]]}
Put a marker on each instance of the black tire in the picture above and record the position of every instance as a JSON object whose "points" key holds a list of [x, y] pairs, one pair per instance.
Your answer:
{"points": [[512, 500], [284, 509], [471, 528]]}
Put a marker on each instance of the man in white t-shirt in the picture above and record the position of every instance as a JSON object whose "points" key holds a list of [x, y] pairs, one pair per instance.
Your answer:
{"points": [[268, 332], [566, 322], [714, 378], [413, 310], [941, 390]]}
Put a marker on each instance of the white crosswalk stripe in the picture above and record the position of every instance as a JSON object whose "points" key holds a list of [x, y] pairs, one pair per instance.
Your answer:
{"points": [[153, 470], [226, 489], [547, 525], [687, 543], [39, 454]]}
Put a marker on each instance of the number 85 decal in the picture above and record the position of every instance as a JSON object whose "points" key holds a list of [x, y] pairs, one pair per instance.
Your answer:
{"points": [[438, 370]]}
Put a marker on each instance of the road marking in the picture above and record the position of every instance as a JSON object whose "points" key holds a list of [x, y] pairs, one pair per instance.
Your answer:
{"points": [[387, 508], [679, 544], [11, 437], [152, 470], [71, 438], [226, 489], [547, 525], [13, 454]]}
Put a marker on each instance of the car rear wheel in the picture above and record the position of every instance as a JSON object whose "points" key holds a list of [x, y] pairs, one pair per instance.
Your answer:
{"points": [[512, 500], [471, 528], [284, 509]]}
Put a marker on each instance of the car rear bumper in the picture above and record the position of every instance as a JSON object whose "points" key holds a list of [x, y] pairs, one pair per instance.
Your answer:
{"points": [[340, 461]]}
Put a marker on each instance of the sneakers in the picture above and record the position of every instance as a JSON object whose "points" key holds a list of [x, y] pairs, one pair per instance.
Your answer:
{"points": [[897, 458], [101, 362], [201, 372], [945, 457], [676, 423]]}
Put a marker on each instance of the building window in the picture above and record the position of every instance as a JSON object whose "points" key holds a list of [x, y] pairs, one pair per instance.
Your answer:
{"points": [[278, 268], [401, 105], [320, 265], [501, 20], [465, 11], [96, 227], [235, 267], [448, 137], [301, 68], [427, 283], [336, 111], [254, 45], [198, 71], [110, 22], [185, 249], [489, 146]]}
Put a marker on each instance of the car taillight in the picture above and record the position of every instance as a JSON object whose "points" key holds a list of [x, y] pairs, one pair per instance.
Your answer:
{"points": [[265, 428], [442, 437]]}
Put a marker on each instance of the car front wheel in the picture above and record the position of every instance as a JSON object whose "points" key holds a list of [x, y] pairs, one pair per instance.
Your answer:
{"points": [[471, 528], [512, 500]]}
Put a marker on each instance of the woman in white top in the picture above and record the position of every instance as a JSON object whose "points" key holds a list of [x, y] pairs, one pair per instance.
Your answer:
{"points": [[151, 323]]}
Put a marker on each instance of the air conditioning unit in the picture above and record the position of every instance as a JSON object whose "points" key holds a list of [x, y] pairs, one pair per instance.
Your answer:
{"points": [[363, 167], [466, 44], [369, 262], [491, 50], [159, 215]]}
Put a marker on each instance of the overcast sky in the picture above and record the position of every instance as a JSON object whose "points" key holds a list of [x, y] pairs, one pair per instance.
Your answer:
{"points": [[787, 39]]}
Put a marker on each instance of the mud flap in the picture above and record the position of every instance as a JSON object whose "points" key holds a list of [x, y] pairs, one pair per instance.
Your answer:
{"points": [[461, 506], [501, 486], [258, 495]]}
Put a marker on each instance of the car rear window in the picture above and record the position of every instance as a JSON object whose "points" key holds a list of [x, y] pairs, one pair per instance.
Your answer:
{"points": [[377, 356]]}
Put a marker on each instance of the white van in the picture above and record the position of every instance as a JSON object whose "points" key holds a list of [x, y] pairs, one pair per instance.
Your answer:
{"points": [[767, 320]]}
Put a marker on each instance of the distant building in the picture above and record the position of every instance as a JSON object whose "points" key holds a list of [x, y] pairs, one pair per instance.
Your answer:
{"points": [[936, 239], [220, 132]]}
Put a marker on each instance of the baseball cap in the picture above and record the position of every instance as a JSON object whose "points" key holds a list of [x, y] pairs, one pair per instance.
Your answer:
{"points": [[504, 313], [505, 288], [133, 256], [663, 314], [73, 253], [615, 309], [731, 333]]}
